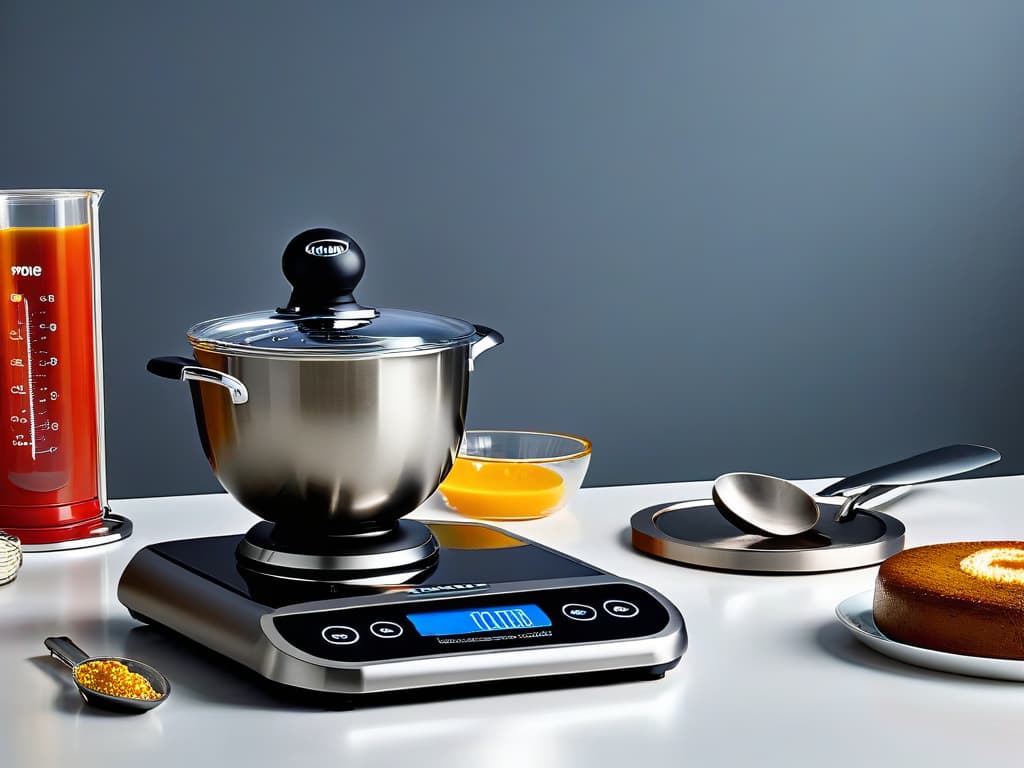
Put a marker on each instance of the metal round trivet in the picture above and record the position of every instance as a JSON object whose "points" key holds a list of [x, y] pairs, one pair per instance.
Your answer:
{"points": [[695, 533], [409, 545], [109, 528]]}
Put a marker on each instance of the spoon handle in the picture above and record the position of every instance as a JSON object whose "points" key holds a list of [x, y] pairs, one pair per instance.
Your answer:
{"points": [[922, 468], [850, 503], [64, 649]]}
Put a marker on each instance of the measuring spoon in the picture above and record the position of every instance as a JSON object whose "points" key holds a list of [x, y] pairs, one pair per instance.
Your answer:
{"points": [[771, 506], [65, 650]]}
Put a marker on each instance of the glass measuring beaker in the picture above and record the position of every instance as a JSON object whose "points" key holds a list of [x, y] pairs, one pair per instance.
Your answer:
{"points": [[52, 478]]}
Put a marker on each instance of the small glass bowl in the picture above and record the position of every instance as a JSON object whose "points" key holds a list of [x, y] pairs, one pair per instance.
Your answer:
{"points": [[513, 475]]}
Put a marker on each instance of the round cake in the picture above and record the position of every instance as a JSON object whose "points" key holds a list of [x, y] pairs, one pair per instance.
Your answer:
{"points": [[963, 597]]}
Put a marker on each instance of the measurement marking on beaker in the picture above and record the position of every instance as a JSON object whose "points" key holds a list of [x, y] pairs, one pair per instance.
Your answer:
{"points": [[31, 395]]}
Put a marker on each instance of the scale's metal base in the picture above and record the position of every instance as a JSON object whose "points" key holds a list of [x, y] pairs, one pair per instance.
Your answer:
{"points": [[109, 529], [695, 533]]}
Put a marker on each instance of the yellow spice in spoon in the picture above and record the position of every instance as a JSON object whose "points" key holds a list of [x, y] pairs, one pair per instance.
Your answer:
{"points": [[114, 679]]}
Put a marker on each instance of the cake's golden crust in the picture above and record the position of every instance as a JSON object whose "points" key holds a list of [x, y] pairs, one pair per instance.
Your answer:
{"points": [[924, 597]]}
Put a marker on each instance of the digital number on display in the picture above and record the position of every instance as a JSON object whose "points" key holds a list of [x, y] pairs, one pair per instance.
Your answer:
{"points": [[467, 622]]}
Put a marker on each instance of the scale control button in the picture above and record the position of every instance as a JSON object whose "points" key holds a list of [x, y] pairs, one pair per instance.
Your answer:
{"points": [[579, 612], [620, 609], [387, 629], [340, 635]]}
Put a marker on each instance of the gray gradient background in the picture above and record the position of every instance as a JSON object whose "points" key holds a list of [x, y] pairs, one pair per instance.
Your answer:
{"points": [[775, 236]]}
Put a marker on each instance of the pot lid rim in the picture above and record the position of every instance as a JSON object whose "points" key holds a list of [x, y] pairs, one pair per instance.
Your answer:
{"points": [[272, 333]]}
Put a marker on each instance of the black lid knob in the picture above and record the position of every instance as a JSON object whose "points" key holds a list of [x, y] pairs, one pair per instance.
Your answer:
{"points": [[324, 266]]}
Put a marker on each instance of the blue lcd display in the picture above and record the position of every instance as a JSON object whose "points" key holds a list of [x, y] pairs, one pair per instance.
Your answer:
{"points": [[467, 622]]}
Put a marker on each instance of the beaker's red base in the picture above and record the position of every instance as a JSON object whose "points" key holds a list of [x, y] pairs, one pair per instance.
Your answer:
{"points": [[50, 525]]}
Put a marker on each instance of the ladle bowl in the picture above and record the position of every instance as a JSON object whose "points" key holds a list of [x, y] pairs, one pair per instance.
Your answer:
{"points": [[770, 506], [764, 505]]}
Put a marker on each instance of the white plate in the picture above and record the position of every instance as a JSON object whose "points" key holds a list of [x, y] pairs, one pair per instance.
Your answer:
{"points": [[856, 615]]}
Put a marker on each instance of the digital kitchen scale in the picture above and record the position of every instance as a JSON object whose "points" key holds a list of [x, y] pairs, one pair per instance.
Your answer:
{"points": [[495, 608]]}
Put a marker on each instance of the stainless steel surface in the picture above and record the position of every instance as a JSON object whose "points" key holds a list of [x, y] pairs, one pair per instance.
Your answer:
{"points": [[155, 589], [334, 425], [334, 444], [762, 504], [940, 463], [109, 529], [412, 543], [932, 465], [856, 614], [64, 650], [489, 338], [226, 622], [239, 394], [289, 665], [768, 554], [300, 580], [854, 501], [362, 313]]}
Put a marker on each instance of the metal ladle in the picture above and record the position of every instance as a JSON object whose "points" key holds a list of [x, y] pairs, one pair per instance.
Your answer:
{"points": [[64, 649], [764, 505], [771, 506]]}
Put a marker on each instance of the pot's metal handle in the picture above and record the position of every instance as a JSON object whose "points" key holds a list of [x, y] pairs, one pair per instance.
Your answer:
{"points": [[489, 338], [186, 369], [64, 649]]}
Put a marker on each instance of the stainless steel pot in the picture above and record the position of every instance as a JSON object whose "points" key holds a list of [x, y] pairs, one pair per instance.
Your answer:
{"points": [[326, 415]]}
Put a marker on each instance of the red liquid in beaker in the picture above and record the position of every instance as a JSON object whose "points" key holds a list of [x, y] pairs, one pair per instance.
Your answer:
{"points": [[48, 455]]}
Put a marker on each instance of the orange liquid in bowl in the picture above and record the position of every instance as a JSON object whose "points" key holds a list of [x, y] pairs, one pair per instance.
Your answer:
{"points": [[500, 491]]}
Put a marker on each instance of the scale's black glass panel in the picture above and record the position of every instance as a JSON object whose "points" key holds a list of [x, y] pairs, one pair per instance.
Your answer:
{"points": [[706, 525], [431, 627], [468, 553]]}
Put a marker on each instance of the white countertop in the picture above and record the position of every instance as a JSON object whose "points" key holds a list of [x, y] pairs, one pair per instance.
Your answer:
{"points": [[770, 677]]}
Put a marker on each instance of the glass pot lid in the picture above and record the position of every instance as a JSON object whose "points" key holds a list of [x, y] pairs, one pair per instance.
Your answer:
{"points": [[322, 317]]}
